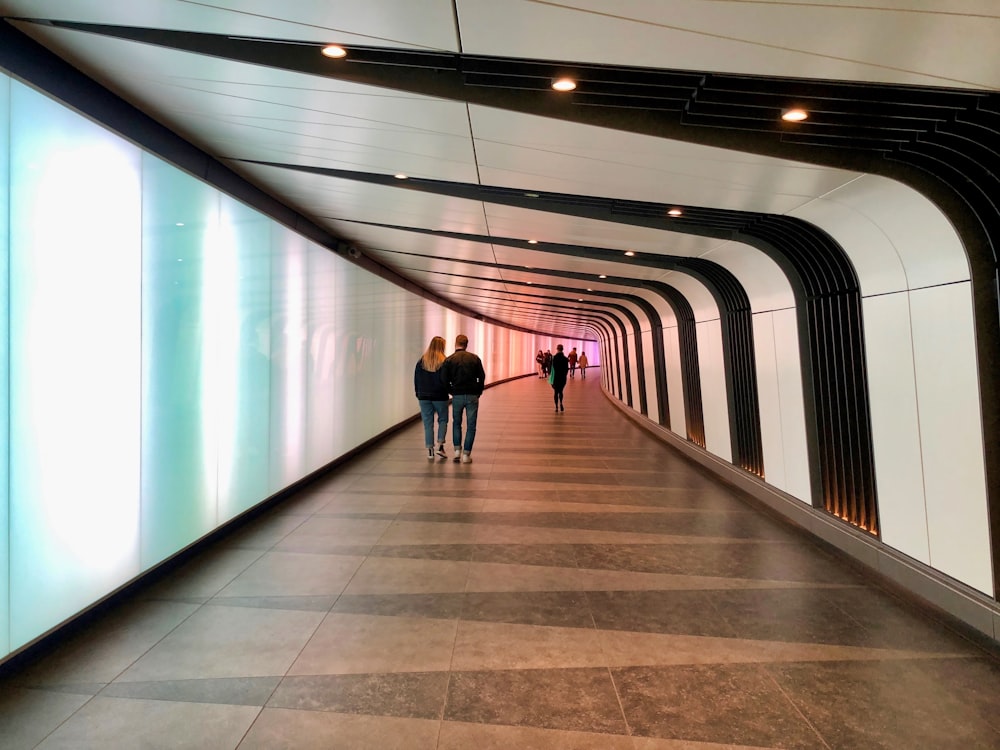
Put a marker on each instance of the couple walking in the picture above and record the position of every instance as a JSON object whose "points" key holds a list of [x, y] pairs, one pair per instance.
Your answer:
{"points": [[437, 376]]}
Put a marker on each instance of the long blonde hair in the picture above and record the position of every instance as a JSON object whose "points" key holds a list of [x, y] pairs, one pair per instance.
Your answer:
{"points": [[434, 356]]}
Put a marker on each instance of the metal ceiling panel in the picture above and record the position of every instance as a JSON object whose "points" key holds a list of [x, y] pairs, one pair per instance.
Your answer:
{"points": [[901, 41]]}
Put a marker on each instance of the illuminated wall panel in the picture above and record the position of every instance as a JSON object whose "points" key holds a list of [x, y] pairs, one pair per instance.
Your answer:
{"points": [[170, 358], [4, 364], [243, 367], [289, 352], [179, 446], [74, 363]]}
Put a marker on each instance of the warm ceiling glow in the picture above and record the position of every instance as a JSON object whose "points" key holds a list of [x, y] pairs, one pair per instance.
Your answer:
{"points": [[675, 212], [564, 84], [603, 276], [630, 253], [532, 242], [794, 115], [333, 50], [401, 176]]}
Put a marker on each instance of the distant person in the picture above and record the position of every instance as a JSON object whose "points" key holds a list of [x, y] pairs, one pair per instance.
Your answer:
{"points": [[432, 395], [560, 366], [540, 359], [463, 375], [572, 361], [547, 363], [583, 365]]}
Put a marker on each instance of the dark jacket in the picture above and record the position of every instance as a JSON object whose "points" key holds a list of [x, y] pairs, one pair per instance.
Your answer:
{"points": [[463, 374], [428, 385], [560, 366]]}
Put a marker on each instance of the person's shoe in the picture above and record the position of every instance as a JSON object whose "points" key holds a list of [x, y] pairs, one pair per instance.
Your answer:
{"points": [[466, 458], [458, 454], [430, 454], [562, 408], [440, 451]]}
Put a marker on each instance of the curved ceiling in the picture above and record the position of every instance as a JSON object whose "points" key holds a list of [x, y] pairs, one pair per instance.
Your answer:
{"points": [[510, 184]]}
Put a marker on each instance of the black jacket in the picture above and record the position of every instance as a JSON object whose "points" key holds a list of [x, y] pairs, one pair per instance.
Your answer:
{"points": [[428, 385], [463, 374]]}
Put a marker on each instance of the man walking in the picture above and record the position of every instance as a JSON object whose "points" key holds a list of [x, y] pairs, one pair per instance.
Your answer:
{"points": [[463, 375]]}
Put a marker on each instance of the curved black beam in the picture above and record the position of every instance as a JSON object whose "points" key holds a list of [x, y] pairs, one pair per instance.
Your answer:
{"points": [[740, 360]]}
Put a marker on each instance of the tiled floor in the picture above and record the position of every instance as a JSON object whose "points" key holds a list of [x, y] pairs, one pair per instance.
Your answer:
{"points": [[577, 586]]}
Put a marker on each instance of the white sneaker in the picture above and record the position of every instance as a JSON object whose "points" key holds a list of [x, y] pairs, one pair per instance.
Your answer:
{"points": [[466, 458], [430, 454]]}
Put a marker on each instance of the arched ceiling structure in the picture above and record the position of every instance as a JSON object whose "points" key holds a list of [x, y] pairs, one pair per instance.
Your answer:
{"points": [[678, 105]]}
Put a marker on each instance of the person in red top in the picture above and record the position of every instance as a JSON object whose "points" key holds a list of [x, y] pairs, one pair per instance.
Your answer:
{"points": [[572, 362]]}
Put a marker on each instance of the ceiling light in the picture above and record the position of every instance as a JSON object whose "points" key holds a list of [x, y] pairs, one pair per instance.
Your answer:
{"points": [[564, 84], [531, 195], [528, 282], [532, 242], [630, 253], [794, 115], [335, 51], [401, 176], [603, 276], [675, 212]]}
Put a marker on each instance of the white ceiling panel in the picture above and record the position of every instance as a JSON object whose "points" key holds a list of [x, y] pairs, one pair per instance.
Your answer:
{"points": [[901, 41], [428, 24], [535, 153]]}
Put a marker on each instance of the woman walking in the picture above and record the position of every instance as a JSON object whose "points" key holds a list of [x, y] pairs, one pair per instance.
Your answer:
{"points": [[582, 361], [432, 394]]}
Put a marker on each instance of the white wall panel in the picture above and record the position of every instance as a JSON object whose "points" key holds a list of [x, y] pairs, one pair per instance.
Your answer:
{"points": [[649, 376], [895, 425], [701, 300], [713, 389], [765, 283], [944, 353], [793, 414], [769, 399], [895, 237], [675, 384]]}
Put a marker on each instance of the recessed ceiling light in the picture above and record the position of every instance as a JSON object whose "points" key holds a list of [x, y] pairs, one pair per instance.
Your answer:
{"points": [[528, 282], [334, 50], [532, 242], [675, 212], [531, 195], [401, 176], [603, 276], [630, 253], [564, 84], [179, 224], [589, 289], [794, 115]]}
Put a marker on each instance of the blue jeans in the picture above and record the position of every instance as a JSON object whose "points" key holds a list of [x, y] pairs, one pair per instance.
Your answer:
{"points": [[470, 405], [427, 411]]}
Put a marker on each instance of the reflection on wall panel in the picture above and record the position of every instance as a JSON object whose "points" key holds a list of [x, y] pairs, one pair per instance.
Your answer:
{"points": [[74, 357], [242, 366], [289, 278], [895, 425], [954, 473], [4, 364], [178, 446], [713, 389]]}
